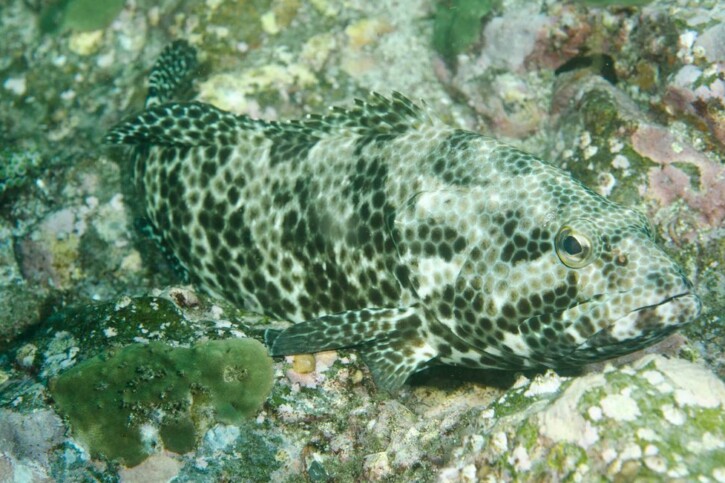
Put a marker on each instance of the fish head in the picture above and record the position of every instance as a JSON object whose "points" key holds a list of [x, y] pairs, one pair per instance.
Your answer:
{"points": [[629, 292], [552, 274]]}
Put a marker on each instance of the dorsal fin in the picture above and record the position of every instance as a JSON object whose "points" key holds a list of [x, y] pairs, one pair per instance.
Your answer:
{"points": [[182, 124], [195, 123], [167, 123], [376, 114]]}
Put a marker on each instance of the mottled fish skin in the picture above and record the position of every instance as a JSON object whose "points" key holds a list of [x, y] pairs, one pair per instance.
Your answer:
{"points": [[382, 229]]}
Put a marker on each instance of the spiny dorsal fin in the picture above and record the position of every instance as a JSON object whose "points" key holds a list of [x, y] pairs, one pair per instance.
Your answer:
{"points": [[376, 114], [171, 71], [181, 124]]}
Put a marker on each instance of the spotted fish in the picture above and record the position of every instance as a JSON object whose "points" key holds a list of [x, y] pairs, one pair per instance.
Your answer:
{"points": [[382, 229]]}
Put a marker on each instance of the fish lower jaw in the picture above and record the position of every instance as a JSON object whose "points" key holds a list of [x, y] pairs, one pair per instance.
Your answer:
{"points": [[637, 329], [672, 311]]}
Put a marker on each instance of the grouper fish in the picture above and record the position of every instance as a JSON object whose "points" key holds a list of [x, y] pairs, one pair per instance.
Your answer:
{"points": [[382, 229]]}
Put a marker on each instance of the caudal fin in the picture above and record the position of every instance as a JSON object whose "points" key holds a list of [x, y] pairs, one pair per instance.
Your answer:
{"points": [[171, 72]]}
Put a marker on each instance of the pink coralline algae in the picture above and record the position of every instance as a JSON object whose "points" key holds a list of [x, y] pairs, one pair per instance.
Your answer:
{"points": [[668, 182], [698, 88], [705, 102]]}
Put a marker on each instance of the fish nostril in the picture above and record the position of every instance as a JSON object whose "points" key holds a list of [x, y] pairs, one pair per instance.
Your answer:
{"points": [[686, 282]]}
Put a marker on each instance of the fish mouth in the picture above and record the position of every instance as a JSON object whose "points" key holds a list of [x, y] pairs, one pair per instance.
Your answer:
{"points": [[670, 299], [636, 328], [669, 312], [677, 309]]}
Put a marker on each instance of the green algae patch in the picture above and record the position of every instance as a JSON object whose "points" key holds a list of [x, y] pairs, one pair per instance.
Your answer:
{"points": [[121, 404], [79, 15], [457, 25], [87, 15], [615, 3]]}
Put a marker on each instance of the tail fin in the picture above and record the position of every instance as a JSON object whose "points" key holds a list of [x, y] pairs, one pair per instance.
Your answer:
{"points": [[171, 71], [166, 123]]}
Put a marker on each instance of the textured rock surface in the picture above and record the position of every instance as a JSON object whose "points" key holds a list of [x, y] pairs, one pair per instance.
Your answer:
{"points": [[658, 418]]}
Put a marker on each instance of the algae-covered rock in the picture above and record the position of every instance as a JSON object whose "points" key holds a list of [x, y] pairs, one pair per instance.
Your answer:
{"points": [[256, 454], [20, 309], [177, 316], [660, 419], [122, 402], [594, 120], [17, 168]]}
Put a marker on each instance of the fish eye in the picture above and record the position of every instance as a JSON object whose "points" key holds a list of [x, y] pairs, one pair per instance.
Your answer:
{"points": [[573, 248], [571, 245]]}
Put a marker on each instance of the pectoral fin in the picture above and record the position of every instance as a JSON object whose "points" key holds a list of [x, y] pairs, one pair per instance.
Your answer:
{"points": [[392, 342]]}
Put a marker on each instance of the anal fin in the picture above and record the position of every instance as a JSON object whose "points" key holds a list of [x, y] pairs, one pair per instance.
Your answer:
{"points": [[392, 342]]}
